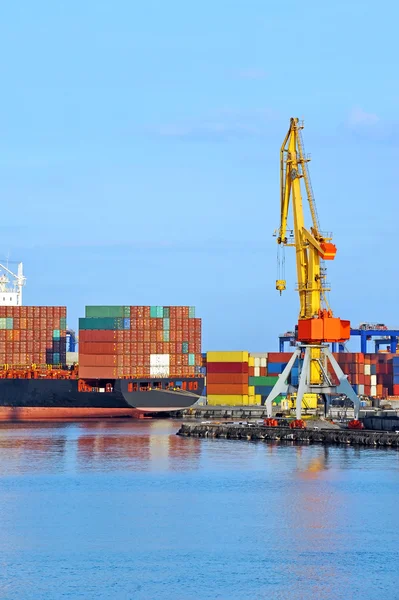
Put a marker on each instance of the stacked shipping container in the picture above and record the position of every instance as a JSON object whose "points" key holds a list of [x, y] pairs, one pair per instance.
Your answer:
{"points": [[227, 378], [139, 341], [32, 335], [370, 374], [260, 385]]}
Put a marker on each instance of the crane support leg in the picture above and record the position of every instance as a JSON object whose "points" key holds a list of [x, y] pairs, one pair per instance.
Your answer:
{"points": [[305, 385], [281, 387]]}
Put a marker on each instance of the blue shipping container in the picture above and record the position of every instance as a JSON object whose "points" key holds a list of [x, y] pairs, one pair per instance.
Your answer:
{"points": [[263, 390], [126, 323], [275, 368]]}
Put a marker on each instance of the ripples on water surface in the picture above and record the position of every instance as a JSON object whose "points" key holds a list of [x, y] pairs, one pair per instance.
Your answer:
{"points": [[127, 509]]}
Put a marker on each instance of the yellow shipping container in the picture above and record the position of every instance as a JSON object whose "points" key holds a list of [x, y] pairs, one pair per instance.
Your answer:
{"points": [[255, 400], [227, 400], [251, 390], [237, 357], [251, 361]]}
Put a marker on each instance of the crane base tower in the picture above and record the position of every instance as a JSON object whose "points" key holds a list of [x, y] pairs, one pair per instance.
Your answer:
{"points": [[328, 368]]}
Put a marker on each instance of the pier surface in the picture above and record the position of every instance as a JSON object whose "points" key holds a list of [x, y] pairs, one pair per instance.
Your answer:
{"points": [[286, 435]]}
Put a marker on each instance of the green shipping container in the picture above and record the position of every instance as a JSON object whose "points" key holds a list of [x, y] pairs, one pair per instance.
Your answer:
{"points": [[269, 380], [56, 334], [9, 323], [3, 323], [166, 312], [191, 360], [185, 347], [126, 312], [156, 312], [191, 312], [107, 323], [106, 311], [166, 324], [166, 337], [63, 323]]}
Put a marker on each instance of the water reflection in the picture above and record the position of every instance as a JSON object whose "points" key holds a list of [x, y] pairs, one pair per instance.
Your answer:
{"points": [[100, 445]]}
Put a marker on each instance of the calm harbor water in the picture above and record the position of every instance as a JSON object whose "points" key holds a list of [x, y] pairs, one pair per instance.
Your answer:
{"points": [[128, 510]]}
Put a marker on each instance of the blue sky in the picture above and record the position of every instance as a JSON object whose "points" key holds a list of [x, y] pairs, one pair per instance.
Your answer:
{"points": [[139, 154]]}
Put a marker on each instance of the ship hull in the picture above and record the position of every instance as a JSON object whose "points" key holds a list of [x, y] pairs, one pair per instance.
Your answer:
{"points": [[52, 399]]}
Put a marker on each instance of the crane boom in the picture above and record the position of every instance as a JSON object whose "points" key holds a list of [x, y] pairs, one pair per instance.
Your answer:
{"points": [[316, 321]]}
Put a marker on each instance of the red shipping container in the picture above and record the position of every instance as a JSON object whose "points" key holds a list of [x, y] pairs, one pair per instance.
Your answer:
{"points": [[98, 348], [241, 378], [263, 371], [140, 335], [140, 348], [153, 336], [279, 357], [96, 335], [160, 348], [179, 335], [220, 367], [395, 389], [147, 348]]}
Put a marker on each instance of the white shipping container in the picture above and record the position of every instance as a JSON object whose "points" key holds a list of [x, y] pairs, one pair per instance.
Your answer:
{"points": [[157, 371], [258, 354], [257, 362], [159, 360], [257, 372], [373, 391], [263, 362], [367, 369], [373, 380], [360, 390]]}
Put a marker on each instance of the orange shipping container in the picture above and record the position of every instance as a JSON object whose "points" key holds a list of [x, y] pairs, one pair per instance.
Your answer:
{"points": [[226, 388], [97, 372], [97, 360]]}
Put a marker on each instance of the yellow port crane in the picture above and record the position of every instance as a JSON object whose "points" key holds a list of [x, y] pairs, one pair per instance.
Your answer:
{"points": [[316, 324]]}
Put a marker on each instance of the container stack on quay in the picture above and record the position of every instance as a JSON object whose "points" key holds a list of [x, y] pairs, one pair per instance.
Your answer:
{"points": [[371, 374], [260, 383], [227, 379], [139, 341], [32, 335]]}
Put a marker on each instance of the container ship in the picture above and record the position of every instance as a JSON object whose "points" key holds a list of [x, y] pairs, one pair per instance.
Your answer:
{"points": [[132, 360]]}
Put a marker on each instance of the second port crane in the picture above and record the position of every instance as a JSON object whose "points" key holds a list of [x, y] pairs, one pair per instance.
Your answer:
{"points": [[319, 372]]}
